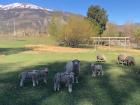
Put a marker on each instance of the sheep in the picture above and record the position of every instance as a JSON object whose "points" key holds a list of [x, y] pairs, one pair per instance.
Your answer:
{"points": [[121, 59], [65, 79], [130, 61], [34, 75], [73, 66], [101, 58], [27, 75], [41, 75], [96, 69]]}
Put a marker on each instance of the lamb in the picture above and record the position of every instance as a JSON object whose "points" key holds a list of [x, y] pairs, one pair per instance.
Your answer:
{"points": [[63, 78], [73, 66], [101, 58], [27, 75], [34, 75], [41, 75], [121, 59], [130, 61], [96, 69]]}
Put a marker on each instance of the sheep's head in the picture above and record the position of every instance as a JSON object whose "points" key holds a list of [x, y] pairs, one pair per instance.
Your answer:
{"points": [[46, 70], [76, 62], [92, 64]]}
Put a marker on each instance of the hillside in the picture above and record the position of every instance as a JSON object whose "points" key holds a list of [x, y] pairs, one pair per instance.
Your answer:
{"points": [[28, 18]]}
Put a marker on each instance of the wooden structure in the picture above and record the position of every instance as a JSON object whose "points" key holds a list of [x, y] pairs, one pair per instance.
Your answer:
{"points": [[108, 41]]}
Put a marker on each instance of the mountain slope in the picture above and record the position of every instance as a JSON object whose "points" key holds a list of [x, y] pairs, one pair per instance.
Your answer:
{"points": [[28, 18]]}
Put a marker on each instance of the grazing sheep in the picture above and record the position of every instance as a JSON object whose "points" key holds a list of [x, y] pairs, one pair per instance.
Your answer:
{"points": [[34, 75], [121, 59], [130, 61], [27, 75], [101, 58], [73, 66], [41, 75], [63, 79], [96, 69]]}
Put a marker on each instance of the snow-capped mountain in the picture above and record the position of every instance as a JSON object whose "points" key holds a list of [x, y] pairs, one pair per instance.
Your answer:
{"points": [[29, 18], [1, 6], [22, 6]]}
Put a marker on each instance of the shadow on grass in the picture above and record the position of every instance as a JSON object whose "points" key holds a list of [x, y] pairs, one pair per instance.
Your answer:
{"points": [[9, 51], [89, 91]]}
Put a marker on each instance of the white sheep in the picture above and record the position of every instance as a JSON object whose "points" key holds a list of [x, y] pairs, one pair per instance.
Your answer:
{"points": [[101, 58], [121, 59], [130, 61], [34, 75], [41, 75], [28, 75]]}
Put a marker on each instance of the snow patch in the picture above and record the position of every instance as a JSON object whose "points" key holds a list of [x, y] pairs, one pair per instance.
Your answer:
{"points": [[22, 6]]}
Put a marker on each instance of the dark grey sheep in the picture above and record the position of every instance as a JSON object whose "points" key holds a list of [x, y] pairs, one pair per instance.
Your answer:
{"points": [[65, 79], [73, 66], [96, 70]]}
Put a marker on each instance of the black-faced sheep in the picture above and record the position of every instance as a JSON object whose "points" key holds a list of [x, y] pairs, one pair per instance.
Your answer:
{"points": [[73, 66]]}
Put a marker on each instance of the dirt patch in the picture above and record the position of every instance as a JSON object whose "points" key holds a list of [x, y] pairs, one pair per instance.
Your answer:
{"points": [[126, 50], [42, 48]]}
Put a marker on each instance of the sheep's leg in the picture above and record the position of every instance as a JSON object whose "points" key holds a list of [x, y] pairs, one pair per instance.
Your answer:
{"points": [[102, 73], [21, 82], [55, 86], [118, 62], [72, 80], [34, 82], [76, 78], [37, 82], [93, 74], [122, 62], [45, 80], [70, 88], [58, 86], [97, 73]]}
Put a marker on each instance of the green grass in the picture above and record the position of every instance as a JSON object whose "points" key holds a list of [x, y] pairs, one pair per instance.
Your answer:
{"points": [[119, 86]]}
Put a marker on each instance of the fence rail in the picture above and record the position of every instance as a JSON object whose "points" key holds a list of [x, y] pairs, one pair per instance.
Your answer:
{"points": [[121, 41]]}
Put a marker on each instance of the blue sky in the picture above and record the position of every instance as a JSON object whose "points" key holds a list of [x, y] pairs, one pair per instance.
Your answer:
{"points": [[119, 11]]}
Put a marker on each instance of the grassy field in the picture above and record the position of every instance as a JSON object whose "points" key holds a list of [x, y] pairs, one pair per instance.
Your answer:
{"points": [[120, 85]]}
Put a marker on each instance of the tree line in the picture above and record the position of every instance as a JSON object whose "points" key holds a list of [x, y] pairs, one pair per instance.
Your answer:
{"points": [[79, 29]]}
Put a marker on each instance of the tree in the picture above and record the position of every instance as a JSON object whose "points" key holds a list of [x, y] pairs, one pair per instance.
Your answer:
{"points": [[75, 31], [98, 17], [137, 34], [129, 28], [112, 30], [53, 27]]}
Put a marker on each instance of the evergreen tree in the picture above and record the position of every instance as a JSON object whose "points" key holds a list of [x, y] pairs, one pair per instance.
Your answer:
{"points": [[98, 17]]}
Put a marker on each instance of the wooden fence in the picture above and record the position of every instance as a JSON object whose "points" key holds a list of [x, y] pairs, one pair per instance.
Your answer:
{"points": [[120, 41]]}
